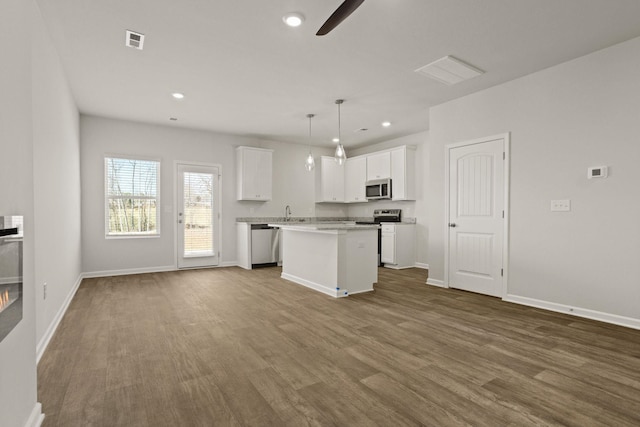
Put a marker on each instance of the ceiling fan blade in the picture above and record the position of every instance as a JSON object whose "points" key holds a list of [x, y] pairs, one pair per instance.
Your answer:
{"points": [[341, 13]]}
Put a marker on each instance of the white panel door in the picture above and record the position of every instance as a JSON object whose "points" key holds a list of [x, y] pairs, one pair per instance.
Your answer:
{"points": [[198, 211], [476, 217]]}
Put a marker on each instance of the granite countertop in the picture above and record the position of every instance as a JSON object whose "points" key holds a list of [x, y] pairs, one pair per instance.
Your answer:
{"points": [[294, 220], [311, 220], [336, 226]]}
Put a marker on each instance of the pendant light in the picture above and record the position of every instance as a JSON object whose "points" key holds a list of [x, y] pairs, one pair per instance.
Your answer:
{"points": [[340, 155], [310, 163]]}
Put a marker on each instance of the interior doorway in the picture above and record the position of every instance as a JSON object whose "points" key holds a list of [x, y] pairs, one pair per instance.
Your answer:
{"points": [[477, 215]]}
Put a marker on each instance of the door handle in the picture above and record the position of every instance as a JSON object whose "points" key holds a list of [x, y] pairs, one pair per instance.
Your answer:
{"points": [[452, 224]]}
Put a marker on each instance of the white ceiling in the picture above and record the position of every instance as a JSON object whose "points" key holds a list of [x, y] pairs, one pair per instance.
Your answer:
{"points": [[244, 72]]}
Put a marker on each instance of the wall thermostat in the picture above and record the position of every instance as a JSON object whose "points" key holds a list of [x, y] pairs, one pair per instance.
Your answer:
{"points": [[597, 172]]}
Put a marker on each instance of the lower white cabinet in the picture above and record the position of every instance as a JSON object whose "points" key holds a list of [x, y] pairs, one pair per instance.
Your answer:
{"points": [[398, 245]]}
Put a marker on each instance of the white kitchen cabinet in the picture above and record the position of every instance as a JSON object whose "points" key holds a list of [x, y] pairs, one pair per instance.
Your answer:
{"points": [[398, 245], [403, 175], [329, 181], [379, 165], [243, 244], [254, 173], [355, 177]]}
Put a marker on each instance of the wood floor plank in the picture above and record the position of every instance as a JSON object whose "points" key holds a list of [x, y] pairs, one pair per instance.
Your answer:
{"points": [[617, 402], [285, 400], [231, 347], [550, 403], [416, 406], [333, 407]]}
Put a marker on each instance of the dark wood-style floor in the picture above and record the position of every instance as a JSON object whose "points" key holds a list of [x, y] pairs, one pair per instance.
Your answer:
{"points": [[229, 347]]}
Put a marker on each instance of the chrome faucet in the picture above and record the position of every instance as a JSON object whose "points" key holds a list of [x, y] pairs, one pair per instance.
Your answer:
{"points": [[287, 213]]}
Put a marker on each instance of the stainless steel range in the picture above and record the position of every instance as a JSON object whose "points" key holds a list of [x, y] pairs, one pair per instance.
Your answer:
{"points": [[380, 216]]}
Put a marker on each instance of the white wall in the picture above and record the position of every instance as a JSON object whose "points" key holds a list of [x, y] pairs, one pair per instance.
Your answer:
{"points": [[562, 120], [18, 350], [293, 186], [416, 209], [56, 167]]}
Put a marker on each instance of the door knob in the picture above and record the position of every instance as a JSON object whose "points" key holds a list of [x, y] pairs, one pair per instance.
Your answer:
{"points": [[452, 224]]}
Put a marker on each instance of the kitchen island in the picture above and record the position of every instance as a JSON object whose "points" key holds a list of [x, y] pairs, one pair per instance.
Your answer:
{"points": [[335, 259]]}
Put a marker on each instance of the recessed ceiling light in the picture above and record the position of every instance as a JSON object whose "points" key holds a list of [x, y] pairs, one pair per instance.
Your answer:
{"points": [[293, 19], [386, 124], [177, 95], [336, 140]]}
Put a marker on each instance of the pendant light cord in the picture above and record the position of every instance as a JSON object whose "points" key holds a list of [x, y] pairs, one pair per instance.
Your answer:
{"points": [[339, 101], [310, 116]]}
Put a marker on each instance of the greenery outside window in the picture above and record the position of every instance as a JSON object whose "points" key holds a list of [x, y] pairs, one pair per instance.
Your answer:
{"points": [[132, 197]]}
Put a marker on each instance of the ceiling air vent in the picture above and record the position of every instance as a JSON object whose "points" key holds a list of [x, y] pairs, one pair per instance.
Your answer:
{"points": [[134, 40], [449, 70]]}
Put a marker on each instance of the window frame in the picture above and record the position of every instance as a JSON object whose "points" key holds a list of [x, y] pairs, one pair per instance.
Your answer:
{"points": [[107, 197]]}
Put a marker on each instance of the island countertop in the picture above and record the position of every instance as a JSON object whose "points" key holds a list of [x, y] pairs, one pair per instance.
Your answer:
{"points": [[323, 227], [335, 259]]}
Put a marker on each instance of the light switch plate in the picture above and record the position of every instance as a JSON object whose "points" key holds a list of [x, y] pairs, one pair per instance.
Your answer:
{"points": [[560, 205]]}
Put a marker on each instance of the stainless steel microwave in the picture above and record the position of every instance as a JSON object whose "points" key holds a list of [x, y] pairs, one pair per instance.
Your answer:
{"points": [[378, 189]]}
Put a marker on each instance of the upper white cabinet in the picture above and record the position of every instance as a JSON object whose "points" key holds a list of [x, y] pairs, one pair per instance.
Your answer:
{"points": [[379, 165], [355, 177], [329, 181], [254, 168], [403, 173]]}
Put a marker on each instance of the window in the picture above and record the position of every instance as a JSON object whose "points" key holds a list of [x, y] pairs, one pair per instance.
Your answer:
{"points": [[132, 188]]}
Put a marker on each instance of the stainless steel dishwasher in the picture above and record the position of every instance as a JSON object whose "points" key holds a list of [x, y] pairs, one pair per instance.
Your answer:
{"points": [[264, 246]]}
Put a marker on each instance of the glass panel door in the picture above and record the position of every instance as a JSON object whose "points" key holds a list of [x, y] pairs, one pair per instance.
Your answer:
{"points": [[197, 216]]}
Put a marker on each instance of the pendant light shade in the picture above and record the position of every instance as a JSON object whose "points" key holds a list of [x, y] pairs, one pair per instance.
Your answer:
{"points": [[310, 163], [340, 155]]}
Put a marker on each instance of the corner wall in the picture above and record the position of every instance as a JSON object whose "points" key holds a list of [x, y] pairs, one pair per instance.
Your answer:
{"points": [[56, 171], [18, 404], [562, 120]]}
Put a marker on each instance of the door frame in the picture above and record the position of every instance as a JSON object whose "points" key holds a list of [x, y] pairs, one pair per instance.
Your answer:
{"points": [[506, 137], [174, 213]]}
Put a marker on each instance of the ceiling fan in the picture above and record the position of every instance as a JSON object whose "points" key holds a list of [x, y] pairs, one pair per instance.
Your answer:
{"points": [[341, 13]]}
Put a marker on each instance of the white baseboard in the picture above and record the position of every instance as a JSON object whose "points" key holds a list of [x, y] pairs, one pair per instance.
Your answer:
{"points": [[44, 341], [435, 282], [36, 418], [628, 322], [161, 269], [228, 264], [422, 265], [398, 267], [128, 271], [334, 292], [10, 280], [361, 292]]}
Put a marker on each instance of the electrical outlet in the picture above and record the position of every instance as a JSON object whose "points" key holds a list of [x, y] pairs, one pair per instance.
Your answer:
{"points": [[44, 290], [560, 205]]}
